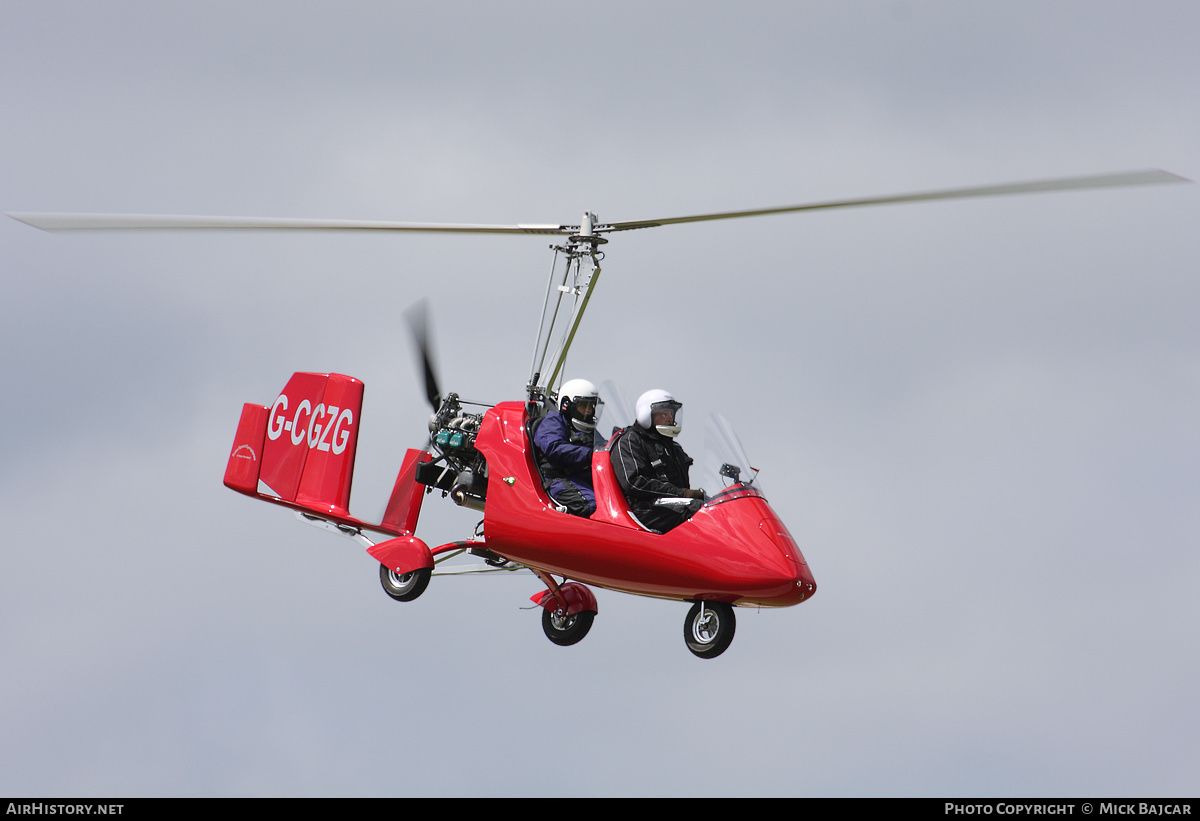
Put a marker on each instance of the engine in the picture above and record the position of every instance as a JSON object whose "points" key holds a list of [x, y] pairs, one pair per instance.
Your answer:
{"points": [[458, 469]]}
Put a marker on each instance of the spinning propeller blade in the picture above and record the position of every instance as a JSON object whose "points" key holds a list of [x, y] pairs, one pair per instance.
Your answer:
{"points": [[418, 323]]}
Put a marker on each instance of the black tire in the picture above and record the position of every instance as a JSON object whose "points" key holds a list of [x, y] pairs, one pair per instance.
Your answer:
{"points": [[566, 630], [709, 637], [404, 586]]}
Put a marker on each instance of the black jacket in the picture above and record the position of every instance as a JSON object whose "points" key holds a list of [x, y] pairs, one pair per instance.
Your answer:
{"points": [[649, 466]]}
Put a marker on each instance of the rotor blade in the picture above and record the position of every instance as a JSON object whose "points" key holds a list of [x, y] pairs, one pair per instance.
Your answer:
{"points": [[84, 222], [1149, 177], [100, 222], [418, 323]]}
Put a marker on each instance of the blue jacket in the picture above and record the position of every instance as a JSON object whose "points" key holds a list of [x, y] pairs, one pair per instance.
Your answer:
{"points": [[563, 448]]}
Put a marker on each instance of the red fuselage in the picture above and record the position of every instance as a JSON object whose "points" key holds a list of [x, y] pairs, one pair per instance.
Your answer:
{"points": [[734, 549]]}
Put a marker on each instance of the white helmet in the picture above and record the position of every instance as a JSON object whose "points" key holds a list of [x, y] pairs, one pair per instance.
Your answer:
{"points": [[655, 401], [573, 393]]}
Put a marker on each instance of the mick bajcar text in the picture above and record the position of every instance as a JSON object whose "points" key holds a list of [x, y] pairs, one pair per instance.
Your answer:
{"points": [[1086, 808]]}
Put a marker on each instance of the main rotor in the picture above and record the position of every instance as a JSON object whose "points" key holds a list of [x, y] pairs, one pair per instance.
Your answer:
{"points": [[580, 252], [589, 226]]}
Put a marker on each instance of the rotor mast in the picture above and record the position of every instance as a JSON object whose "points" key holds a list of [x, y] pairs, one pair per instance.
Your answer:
{"points": [[570, 293]]}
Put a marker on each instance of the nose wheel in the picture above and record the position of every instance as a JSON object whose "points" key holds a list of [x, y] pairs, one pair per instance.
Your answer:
{"points": [[708, 629]]}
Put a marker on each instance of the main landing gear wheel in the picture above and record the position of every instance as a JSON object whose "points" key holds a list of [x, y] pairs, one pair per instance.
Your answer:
{"points": [[709, 628], [566, 630], [404, 586]]}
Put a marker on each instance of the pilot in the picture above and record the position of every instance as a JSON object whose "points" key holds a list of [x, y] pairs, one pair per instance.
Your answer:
{"points": [[564, 440], [650, 465]]}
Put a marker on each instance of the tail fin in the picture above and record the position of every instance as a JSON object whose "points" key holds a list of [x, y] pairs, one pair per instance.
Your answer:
{"points": [[301, 449]]}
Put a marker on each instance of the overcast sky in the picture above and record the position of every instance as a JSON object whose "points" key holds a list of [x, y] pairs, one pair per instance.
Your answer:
{"points": [[978, 418]]}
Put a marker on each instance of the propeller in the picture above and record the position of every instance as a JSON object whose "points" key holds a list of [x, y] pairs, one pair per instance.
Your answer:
{"points": [[82, 222], [418, 323]]}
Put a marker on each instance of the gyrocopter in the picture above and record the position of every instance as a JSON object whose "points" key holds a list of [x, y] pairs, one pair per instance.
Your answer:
{"points": [[298, 451]]}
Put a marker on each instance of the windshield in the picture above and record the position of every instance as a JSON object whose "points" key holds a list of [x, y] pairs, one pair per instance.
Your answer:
{"points": [[614, 412], [724, 463]]}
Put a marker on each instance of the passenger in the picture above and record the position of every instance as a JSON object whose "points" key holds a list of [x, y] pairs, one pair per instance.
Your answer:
{"points": [[650, 465], [563, 441]]}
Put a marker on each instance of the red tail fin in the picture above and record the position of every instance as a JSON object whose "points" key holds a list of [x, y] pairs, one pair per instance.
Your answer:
{"points": [[245, 460], [405, 504], [301, 449]]}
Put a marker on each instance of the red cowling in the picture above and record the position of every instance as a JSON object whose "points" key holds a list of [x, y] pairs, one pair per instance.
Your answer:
{"points": [[403, 554]]}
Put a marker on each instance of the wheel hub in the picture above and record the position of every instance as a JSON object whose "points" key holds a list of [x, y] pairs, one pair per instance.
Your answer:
{"points": [[705, 627], [561, 620]]}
